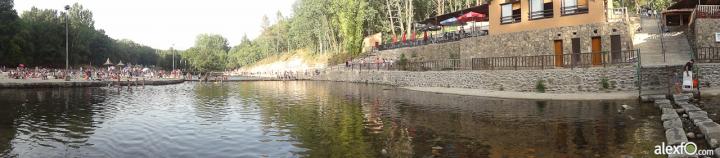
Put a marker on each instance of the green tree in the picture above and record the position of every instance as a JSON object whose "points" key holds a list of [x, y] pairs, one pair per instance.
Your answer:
{"points": [[208, 54], [9, 27]]}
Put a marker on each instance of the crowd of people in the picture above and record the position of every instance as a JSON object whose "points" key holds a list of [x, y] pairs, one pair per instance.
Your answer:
{"points": [[88, 73], [376, 62]]}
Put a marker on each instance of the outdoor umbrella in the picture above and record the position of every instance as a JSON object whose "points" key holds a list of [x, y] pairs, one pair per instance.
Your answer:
{"points": [[449, 22], [471, 16], [108, 62], [21, 65], [120, 64]]}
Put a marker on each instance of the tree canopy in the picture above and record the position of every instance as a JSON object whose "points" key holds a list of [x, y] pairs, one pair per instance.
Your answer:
{"points": [[37, 38], [208, 54]]}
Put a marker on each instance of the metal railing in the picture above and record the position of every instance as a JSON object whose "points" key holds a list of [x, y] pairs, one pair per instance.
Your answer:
{"points": [[708, 11], [707, 55], [576, 60], [618, 14], [515, 18], [548, 13], [572, 10]]}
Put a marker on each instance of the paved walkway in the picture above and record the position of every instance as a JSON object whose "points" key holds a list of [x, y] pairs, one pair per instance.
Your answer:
{"points": [[648, 40], [545, 96]]}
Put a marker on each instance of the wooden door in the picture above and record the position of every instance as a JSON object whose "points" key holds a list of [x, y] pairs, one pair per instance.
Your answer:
{"points": [[596, 50], [558, 53], [576, 52], [615, 48]]}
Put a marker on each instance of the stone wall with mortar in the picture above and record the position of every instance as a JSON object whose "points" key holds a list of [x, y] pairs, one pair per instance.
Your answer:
{"points": [[620, 78], [661, 77], [526, 43], [705, 30]]}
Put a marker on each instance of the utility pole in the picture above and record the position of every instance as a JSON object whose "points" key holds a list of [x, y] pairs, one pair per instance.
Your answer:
{"points": [[173, 55], [67, 42]]}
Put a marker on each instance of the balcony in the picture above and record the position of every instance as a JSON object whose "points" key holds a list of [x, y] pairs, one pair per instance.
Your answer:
{"points": [[572, 10], [515, 18], [541, 14]]}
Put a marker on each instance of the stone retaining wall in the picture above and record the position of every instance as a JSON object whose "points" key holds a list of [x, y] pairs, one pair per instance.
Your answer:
{"points": [[619, 78], [661, 77], [705, 30]]}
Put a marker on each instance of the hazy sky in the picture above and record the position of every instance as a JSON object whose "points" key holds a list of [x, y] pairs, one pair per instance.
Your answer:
{"points": [[160, 23]]}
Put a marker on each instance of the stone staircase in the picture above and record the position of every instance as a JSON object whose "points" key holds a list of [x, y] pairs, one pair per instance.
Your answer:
{"points": [[651, 41]]}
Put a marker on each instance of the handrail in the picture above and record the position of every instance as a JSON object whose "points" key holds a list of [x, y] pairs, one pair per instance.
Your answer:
{"points": [[573, 60]]}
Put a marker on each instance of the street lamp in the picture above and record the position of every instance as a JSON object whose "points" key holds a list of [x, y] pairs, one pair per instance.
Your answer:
{"points": [[173, 55], [67, 43]]}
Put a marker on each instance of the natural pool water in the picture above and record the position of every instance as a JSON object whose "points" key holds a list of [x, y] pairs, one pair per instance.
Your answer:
{"points": [[313, 119]]}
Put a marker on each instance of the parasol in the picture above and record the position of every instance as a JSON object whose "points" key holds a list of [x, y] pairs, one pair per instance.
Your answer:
{"points": [[120, 63], [449, 22], [108, 62], [471, 16]]}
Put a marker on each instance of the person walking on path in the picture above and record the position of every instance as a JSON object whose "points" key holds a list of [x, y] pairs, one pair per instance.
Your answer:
{"points": [[689, 66]]}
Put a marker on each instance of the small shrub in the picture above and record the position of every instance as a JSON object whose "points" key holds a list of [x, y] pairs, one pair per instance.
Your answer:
{"points": [[540, 86], [605, 83], [402, 62]]}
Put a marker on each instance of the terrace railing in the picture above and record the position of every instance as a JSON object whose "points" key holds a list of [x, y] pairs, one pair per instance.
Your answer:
{"points": [[618, 14], [708, 55], [577, 60], [708, 11]]}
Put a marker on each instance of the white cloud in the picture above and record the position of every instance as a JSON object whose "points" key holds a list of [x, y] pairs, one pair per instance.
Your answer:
{"points": [[160, 23]]}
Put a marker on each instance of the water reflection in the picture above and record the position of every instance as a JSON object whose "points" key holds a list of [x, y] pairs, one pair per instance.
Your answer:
{"points": [[48, 120], [312, 119]]}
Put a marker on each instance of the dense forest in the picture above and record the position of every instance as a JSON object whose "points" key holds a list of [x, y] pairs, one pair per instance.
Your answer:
{"points": [[37, 38], [335, 27]]}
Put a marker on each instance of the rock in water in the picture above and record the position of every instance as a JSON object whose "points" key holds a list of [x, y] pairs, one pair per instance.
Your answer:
{"points": [[626, 107]]}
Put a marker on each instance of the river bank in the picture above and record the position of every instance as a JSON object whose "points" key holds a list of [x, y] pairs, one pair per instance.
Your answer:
{"points": [[55, 83]]}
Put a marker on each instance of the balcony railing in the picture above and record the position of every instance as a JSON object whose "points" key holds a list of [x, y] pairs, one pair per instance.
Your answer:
{"points": [[572, 10], [708, 11], [708, 55], [541, 14], [579, 60], [618, 14], [515, 18]]}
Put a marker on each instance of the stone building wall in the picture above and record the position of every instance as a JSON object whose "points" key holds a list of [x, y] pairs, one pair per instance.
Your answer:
{"points": [[526, 43], [705, 30]]}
